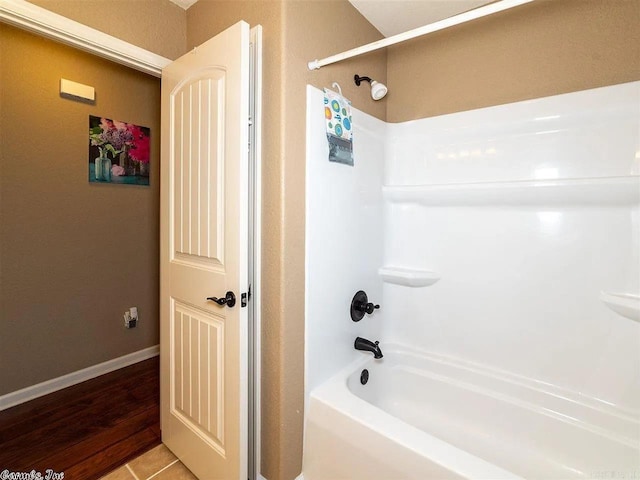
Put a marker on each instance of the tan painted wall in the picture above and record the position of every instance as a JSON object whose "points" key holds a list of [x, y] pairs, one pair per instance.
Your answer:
{"points": [[155, 25], [313, 29], [544, 48], [541, 49], [318, 29], [73, 255], [294, 33]]}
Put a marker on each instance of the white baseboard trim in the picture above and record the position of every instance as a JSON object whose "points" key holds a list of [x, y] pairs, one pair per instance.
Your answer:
{"points": [[29, 393], [299, 477]]}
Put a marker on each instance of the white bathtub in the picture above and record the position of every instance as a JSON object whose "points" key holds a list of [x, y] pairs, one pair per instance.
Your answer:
{"points": [[422, 416]]}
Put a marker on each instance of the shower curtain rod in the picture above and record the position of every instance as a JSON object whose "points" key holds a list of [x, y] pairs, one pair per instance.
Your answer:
{"points": [[417, 32]]}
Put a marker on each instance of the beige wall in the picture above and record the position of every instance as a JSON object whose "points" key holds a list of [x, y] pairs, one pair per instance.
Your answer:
{"points": [[294, 33], [540, 49], [535, 50], [73, 255], [312, 30], [155, 25], [318, 29]]}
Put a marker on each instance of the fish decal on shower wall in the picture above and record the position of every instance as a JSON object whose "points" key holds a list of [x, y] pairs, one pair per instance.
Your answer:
{"points": [[337, 114]]}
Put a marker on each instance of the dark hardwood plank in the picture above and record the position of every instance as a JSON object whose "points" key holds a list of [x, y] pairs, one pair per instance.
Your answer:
{"points": [[116, 407], [65, 459], [88, 429], [56, 406], [102, 381]]}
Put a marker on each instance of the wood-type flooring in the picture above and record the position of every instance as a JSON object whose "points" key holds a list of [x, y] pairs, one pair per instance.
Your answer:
{"points": [[86, 430]]}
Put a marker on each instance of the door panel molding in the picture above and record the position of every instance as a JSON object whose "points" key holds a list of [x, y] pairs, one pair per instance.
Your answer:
{"points": [[198, 378], [195, 233]]}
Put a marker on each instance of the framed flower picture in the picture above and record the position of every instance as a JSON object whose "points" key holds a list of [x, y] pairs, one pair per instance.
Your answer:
{"points": [[118, 152]]}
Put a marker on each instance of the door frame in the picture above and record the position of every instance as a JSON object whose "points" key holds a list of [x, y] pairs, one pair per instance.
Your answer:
{"points": [[40, 21]]}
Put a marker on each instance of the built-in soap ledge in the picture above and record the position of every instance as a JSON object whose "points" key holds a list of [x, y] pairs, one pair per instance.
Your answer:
{"points": [[578, 191], [408, 277], [625, 304]]}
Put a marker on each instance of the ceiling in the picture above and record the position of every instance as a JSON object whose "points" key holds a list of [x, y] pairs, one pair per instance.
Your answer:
{"points": [[184, 3], [396, 16]]}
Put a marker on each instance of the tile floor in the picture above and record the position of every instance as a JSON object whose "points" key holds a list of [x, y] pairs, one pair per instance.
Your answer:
{"points": [[157, 464]]}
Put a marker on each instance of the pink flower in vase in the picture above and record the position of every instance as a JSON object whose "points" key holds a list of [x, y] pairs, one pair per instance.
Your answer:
{"points": [[140, 144], [117, 171], [120, 125], [106, 124]]}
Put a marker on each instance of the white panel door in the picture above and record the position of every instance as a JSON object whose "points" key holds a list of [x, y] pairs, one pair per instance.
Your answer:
{"points": [[204, 205]]}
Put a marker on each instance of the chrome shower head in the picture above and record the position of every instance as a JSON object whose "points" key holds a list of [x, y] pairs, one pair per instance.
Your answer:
{"points": [[378, 90]]}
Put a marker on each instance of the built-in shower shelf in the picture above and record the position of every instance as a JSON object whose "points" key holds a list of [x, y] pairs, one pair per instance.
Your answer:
{"points": [[624, 304], [408, 277], [590, 191]]}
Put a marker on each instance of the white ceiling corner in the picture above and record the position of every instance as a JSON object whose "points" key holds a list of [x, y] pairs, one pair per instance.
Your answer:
{"points": [[184, 3], [391, 17]]}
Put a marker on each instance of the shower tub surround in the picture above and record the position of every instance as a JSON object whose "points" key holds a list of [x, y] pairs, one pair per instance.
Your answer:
{"points": [[424, 416], [507, 269]]}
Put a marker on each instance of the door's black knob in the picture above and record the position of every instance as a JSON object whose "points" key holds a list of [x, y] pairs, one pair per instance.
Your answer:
{"points": [[229, 300]]}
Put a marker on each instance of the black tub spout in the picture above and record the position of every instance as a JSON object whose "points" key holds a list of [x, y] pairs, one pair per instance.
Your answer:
{"points": [[368, 346]]}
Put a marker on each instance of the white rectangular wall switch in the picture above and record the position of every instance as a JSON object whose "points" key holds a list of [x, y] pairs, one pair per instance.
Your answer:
{"points": [[77, 91]]}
